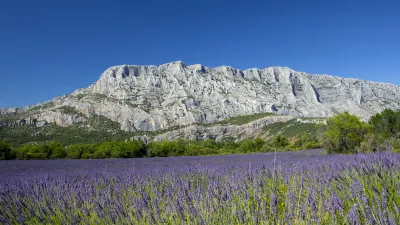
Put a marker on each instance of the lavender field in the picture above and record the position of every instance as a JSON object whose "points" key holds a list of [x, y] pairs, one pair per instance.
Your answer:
{"points": [[301, 187]]}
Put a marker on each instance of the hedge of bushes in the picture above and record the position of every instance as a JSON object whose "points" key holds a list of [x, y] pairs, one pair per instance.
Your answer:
{"points": [[137, 149]]}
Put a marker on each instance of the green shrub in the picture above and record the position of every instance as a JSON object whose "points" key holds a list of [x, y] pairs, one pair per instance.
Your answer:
{"points": [[31, 151], [280, 142], [129, 149], [6, 152], [344, 133], [56, 149], [77, 151], [386, 123]]}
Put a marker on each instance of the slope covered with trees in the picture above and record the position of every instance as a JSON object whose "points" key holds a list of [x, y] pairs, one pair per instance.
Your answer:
{"points": [[343, 133]]}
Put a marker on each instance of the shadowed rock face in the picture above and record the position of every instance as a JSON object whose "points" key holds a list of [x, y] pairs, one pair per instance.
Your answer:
{"points": [[23, 122], [151, 98]]}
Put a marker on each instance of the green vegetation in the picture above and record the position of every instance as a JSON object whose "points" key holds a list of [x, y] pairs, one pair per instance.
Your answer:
{"points": [[54, 150], [5, 151], [205, 147], [346, 133], [45, 105], [51, 150], [80, 151], [99, 137], [80, 96], [99, 96], [137, 149], [12, 117], [280, 141], [240, 120], [69, 110], [292, 128], [96, 129], [387, 123]]}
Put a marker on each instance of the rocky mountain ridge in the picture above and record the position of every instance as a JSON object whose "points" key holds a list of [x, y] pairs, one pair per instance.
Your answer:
{"points": [[153, 98]]}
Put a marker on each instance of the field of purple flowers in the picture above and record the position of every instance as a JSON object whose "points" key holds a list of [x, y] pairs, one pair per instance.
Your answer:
{"points": [[291, 188]]}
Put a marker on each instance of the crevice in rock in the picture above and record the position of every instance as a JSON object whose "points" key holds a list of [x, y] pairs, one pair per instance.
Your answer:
{"points": [[361, 100], [317, 96], [113, 74], [125, 72], [241, 74], [293, 90], [276, 75]]}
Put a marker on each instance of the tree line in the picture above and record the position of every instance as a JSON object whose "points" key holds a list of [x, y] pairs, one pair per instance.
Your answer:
{"points": [[343, 133], [166, 148]]}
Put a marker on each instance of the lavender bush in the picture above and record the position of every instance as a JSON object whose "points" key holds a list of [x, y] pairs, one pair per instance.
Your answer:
{"points": [[351, 189]]}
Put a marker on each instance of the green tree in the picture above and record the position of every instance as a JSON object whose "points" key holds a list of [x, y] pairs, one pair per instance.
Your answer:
{"points": [[306, 141], [386, 123], [371, 143], [130, 149], [258, 143], [193, 149], [31, 151], [280, 142], [134, 149], [78, 151], [208, 143], [107, 150], [6, 152], [344, 133], [157, 149], [56, 149], [250, 145]]}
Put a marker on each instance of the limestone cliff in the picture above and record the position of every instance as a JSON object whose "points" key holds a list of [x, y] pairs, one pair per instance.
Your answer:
{"points": [[151, 98]]}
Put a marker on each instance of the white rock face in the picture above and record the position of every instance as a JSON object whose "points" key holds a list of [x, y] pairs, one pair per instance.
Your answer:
{"points": [[151, 98], [4, 111]]}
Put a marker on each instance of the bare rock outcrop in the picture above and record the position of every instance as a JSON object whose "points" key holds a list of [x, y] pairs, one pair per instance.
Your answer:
{"points": [[152, 98]]}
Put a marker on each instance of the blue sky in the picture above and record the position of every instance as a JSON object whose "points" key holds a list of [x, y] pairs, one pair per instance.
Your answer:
{"points": [[48, 48]]}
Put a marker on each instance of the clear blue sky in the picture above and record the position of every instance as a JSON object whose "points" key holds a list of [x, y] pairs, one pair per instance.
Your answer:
{"points": [[48, 48]]}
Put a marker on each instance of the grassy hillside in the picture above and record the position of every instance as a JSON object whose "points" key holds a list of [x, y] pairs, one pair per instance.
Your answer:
{"points": [[291, 128], [96, 129]]}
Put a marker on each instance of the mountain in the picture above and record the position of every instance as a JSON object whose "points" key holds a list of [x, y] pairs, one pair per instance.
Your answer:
{"points": [[155, 98]]}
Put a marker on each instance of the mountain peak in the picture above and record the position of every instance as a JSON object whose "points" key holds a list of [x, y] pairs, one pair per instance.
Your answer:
{"points": [[177, 66], [150, 98]]}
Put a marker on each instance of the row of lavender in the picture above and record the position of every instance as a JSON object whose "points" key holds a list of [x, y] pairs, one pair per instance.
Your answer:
{"points": [[357, 189]]}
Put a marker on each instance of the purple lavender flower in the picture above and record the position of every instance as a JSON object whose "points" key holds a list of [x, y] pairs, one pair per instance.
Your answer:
{"points": [[352, 215], [334, 204], [398, 189], [367, 210], [384, 199], [226, 193], [356, 189], [273, 204]]}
